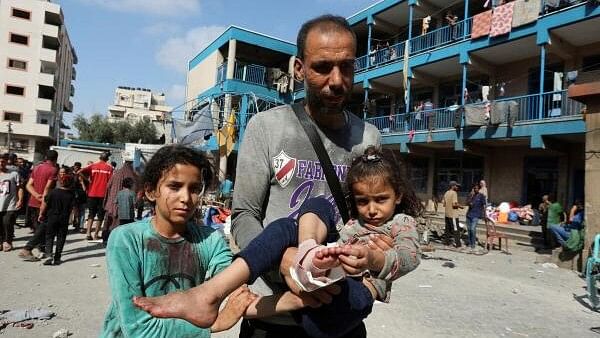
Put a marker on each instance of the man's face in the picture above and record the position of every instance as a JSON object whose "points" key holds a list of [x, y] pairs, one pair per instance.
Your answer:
{"points": [[20, 162], [327, 68], [3, 162]]}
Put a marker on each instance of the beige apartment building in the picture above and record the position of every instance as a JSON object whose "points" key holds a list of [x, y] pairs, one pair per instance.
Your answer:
{"points": [[36, 74]]}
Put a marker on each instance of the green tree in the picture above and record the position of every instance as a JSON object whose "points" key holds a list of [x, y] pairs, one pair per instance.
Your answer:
{"points": [[97, 128]]}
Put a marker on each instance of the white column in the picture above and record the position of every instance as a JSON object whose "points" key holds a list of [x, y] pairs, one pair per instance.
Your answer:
{"points": [[291, 72]]}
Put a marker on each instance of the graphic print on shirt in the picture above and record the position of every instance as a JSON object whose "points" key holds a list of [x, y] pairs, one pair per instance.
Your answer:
{"points": [[5, 187], [308, 173], [284, 167]]}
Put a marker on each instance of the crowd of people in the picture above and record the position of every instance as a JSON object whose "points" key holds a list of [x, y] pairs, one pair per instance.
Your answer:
{"points": [[50, 197]]}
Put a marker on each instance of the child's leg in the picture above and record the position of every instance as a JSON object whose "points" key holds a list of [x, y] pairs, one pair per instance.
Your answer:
{"points": [[60, 240], [51, 231], [344, 313]]}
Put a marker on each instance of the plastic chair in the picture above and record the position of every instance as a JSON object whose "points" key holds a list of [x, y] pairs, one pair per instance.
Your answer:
{"points": [[592, 273], [492, 234]]}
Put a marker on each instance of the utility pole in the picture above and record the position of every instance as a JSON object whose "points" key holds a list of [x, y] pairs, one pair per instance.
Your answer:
{"points": [[8, 136]]}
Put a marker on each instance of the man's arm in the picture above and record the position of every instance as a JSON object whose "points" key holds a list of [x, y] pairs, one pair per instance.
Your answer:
{"points": [[32, 191], [251, 184]]}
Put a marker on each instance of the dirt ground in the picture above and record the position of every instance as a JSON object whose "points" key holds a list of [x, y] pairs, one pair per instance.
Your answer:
{"points": [[492, 295]]}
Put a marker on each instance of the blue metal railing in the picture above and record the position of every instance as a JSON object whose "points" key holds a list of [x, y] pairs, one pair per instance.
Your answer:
{"points": [[554, 105], [441, 36], [381, 56], [360, 63], [250, 73], [222, 72]]}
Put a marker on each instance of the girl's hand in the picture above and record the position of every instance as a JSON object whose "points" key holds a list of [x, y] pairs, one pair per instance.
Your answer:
{"points": [[380, 242], [236, 306], [357, 258]]}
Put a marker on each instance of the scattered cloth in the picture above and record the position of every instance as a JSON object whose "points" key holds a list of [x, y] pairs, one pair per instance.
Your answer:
{"points": [[482, 24], [526, 11], [502, 19], [17, 316]]}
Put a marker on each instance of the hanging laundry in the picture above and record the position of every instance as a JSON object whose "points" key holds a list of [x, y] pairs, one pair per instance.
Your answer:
{"points": [[499, 112], [513, 112], [482, 24], [475, 115], [485, 93], [425, 24], [558, 86], [526, 11], [502, 19]]}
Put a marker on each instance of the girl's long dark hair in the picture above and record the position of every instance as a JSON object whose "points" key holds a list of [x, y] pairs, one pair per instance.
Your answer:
{"points": [[374, 163]]}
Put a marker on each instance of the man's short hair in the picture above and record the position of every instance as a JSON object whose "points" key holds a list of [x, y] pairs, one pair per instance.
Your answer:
{"points": [[105, 156], [326, 22], [77, 164], [52, 155], [5, 156]]}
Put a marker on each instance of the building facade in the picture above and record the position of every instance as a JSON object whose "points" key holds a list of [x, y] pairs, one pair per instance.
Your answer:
{"points": [[135, 104], [36, 77], [458, 91]]}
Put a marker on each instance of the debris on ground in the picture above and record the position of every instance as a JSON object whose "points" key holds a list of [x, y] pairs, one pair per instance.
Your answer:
{"points": [[450, 265], [550, 266], [516, 291], [425, 286], [424, 256], [93, 276], [94, 265], [62, 333], [17, 316]]}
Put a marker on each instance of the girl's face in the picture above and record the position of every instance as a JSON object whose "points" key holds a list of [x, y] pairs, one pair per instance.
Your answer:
{"points": [[177, 194], [375, 200]]}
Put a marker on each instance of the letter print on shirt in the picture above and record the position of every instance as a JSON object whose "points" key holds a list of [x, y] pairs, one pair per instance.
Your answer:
{"points": [[284, 167]]}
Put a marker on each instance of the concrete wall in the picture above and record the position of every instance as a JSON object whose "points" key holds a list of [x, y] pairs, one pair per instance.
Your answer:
{"points": [[203, 76]]}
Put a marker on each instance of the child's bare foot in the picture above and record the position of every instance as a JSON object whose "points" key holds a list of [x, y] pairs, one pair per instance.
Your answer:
{"points": [[196, 305], [327, 258]]}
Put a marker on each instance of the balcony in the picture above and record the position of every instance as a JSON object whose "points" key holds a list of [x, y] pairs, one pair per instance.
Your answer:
{"points": [[441, 36], [554, 106], [50, 30], [43, 105], [36, 129], [381, 56], [68, 107], [244, 72], [48, 55], [250, 73], [46, 79]]}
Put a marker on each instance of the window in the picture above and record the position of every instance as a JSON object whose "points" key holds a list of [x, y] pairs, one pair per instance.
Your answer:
{"points": [[20, 39], [15, 90], [17, 64], [19, 13], [14, 117]]}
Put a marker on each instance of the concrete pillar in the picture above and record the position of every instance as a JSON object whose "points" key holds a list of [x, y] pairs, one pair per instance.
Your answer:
{"points": [[436, 95], [231, 53], [563, 181], [366, 103], [589, 93], [291, 72], [542, 71]]}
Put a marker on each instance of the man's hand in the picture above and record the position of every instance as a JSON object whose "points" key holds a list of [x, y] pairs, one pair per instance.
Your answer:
{"points": [[313, 299], [19, 204], [37, 196], [380, 242]]}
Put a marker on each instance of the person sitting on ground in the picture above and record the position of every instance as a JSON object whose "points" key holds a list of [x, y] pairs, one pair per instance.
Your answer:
{"points": [[562, 232], [56, 212], [385, 206], [168, 252]]}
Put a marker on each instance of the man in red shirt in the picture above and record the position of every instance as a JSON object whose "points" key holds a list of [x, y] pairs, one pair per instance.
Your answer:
{"points": [[42, 179], [99, 174]]}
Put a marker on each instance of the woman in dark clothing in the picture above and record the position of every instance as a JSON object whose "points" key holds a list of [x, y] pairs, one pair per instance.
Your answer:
{"points": [[475, 213]]}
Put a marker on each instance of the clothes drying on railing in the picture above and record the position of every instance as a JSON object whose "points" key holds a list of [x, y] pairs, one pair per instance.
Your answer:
{"points": [[504, 111], [482, 23], [526, 11], [476, 115], [502, 19], [278, 79]]}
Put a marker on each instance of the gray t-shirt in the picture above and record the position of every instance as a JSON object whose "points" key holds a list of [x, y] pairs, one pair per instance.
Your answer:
{"points": [[9, 184], [278, 170]]}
